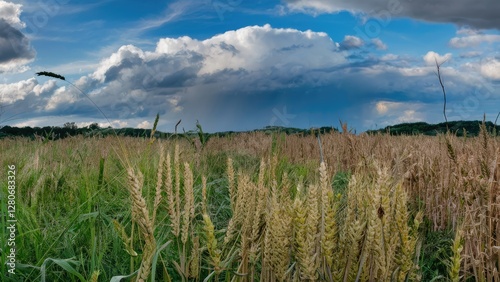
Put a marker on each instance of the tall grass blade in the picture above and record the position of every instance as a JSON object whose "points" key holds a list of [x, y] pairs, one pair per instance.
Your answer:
{"points": [[64, 264]]}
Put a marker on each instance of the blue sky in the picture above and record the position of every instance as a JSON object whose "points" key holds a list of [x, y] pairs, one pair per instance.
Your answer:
{"points": [[241, 65]]}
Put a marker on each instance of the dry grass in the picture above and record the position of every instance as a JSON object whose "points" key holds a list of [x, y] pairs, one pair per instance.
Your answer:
{"points": [[285, 227], [450, 179]]}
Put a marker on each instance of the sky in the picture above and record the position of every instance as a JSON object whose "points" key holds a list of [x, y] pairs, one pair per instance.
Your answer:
{"points": [[237, 65]]}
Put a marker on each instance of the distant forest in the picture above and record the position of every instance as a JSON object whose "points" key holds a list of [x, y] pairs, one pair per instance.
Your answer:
{"points": [[71, 129], [470, 128], [459, 128]]}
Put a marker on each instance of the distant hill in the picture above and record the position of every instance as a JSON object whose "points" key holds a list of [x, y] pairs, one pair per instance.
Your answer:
{"points": [[56, 132], [416, 128], [70, 129]]}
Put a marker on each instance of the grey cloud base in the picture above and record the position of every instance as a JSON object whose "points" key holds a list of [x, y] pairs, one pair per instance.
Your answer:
{"points": [[483, 14], [13, 44]]}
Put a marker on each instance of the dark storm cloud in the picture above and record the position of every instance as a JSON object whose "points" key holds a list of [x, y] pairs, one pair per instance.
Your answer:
{"points": [[482, 14], [13, 44]]}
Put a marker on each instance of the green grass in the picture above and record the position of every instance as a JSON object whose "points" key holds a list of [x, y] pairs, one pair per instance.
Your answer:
{"points": [[69, 192]]}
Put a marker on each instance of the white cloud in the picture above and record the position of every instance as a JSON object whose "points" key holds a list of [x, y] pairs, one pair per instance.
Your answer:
{"points": [[389, 57], [490, 68], [313, 6], [351, 42], [114, 123], [415, 71], [379, 44], [383, 107], [10, 93], [174, 103], [409, 116], [144, 125], [467, 31], [127, 52], [17, 66], [47, 87], [10, 12], [255, 48], [470, 54], [387, 107], [431, 57], [399, 112], [473, 40], [174, 11], [60, 97]]}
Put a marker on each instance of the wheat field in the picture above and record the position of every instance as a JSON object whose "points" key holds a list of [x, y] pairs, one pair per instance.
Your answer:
{"points": [[256, 207]]}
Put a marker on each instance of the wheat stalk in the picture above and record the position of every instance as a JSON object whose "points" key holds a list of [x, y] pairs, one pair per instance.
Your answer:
{"points": [[277, 240], [141, 217], [188, 212], [456, 259], [176, 221], [159, 184]]}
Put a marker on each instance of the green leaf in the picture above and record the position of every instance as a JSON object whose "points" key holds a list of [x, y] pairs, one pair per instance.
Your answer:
{"points": [[64, 264], [120, 277]]}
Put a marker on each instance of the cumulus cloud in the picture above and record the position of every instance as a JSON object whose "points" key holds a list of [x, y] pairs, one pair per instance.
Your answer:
{"points": [[461, 12], [473, 40], [431, 57], [254, 48], [399, 112], [351, 42], [47, 87], [144, 125], [490, 68], [10, 13], [249, 59], [13, 92], [60, 97], [185, 76], [236, 79], [379, 44]]}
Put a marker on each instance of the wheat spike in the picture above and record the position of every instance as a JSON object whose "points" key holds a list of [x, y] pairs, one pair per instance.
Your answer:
{"points": [[231, 182], [177, 201], [169, 191], [211, 242], [277, 240], [141, 216], [194, 262], [159, 184], [95, 276], [188, 213], [456, 259]]}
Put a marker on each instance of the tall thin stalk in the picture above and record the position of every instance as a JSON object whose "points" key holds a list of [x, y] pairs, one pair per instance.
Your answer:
{"points": [[444, 91]]}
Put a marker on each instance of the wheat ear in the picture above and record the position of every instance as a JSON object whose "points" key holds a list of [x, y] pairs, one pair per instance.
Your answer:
{"points": [[159, 184], [141, 217]]}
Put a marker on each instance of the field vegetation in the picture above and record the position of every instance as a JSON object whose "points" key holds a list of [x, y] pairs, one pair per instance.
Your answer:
{"points": [[256, 207]]}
